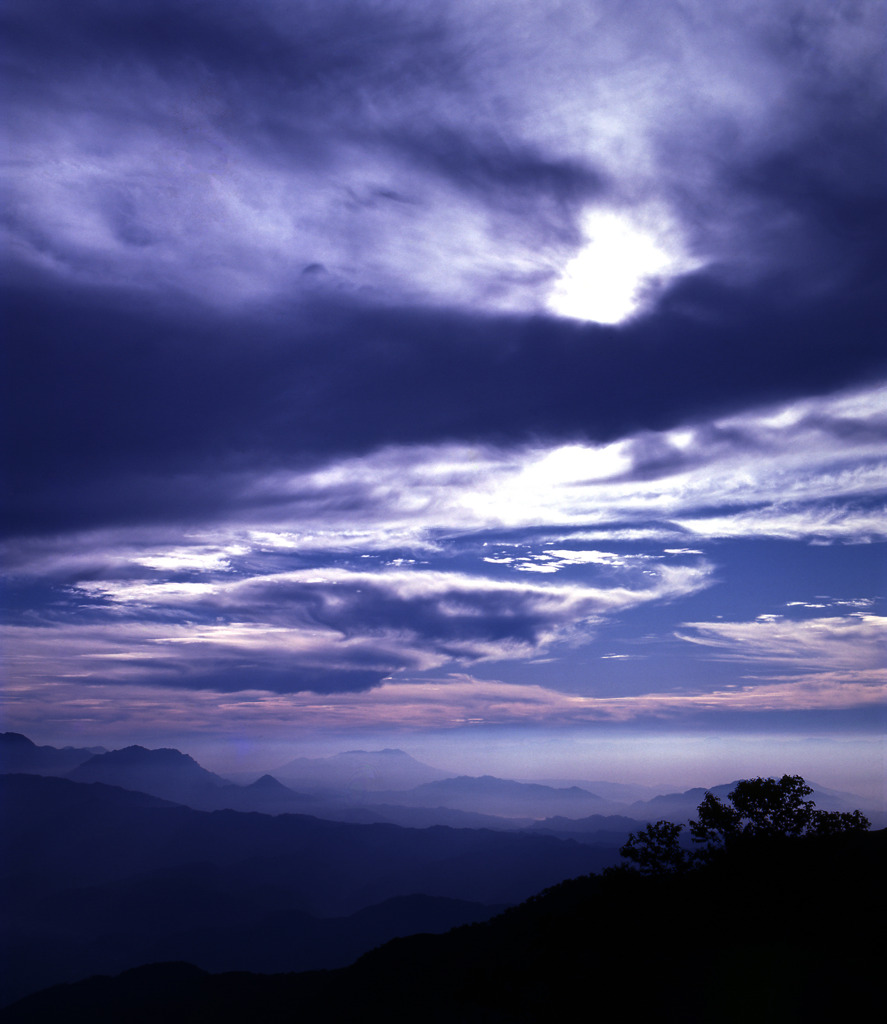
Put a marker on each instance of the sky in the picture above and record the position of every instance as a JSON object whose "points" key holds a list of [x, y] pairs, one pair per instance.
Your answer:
{"points": [[501, 381]]}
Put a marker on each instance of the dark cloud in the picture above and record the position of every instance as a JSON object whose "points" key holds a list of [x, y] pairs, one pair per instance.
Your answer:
{"points": [[234, 676], [450, 618], [121, 413], [286, 43], [237, 675]]}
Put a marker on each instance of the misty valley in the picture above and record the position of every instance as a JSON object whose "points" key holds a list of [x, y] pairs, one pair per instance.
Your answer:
{"points": [[114, 860]]}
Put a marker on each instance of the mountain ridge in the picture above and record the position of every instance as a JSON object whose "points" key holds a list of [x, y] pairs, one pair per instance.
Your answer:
{"points": [[18, 753], [349, 786], [799, 959], [84, 862]]}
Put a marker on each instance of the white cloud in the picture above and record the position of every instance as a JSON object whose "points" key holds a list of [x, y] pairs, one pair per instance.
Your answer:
{"points": [[849, 643], [280, 580], [624, 265], [332, 618], [427, 168], [791, 471]]}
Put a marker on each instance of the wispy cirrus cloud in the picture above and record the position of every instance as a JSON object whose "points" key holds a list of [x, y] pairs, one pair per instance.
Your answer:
{"points": [[810, 470], [322, 629], [451, 702], [849, 643], [347, 569]]}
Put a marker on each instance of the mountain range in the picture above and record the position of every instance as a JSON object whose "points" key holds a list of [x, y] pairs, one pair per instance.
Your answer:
{"points": [[99, 879], [19, 754], [386, 786], [135, 856]]}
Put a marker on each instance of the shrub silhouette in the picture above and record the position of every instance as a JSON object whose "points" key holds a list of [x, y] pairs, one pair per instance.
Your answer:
{"points": [[757, 810]]}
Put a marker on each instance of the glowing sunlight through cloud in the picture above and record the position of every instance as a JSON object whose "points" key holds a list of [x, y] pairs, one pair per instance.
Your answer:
{"points": [[625, 263]]}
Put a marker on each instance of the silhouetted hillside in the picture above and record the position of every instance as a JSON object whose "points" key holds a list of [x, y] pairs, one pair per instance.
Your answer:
{"points": [[787, 933], [99, 879], [19, 754], [487, 794], [166, 773], [677, 807], [596, 828], [425, 817]]}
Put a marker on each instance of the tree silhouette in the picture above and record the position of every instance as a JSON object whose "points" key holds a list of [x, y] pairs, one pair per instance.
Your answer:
{"points": [[767, 809], [656, 849], [757, 810]]}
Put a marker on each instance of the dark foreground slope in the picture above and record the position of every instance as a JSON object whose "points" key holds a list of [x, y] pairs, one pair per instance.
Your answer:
{"points": [[95, 880], [791, 933]]}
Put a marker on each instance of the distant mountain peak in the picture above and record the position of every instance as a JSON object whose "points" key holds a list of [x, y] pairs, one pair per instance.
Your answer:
{"points": [[164, 772], [348, 770], [268, 784], [387, 752]]}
